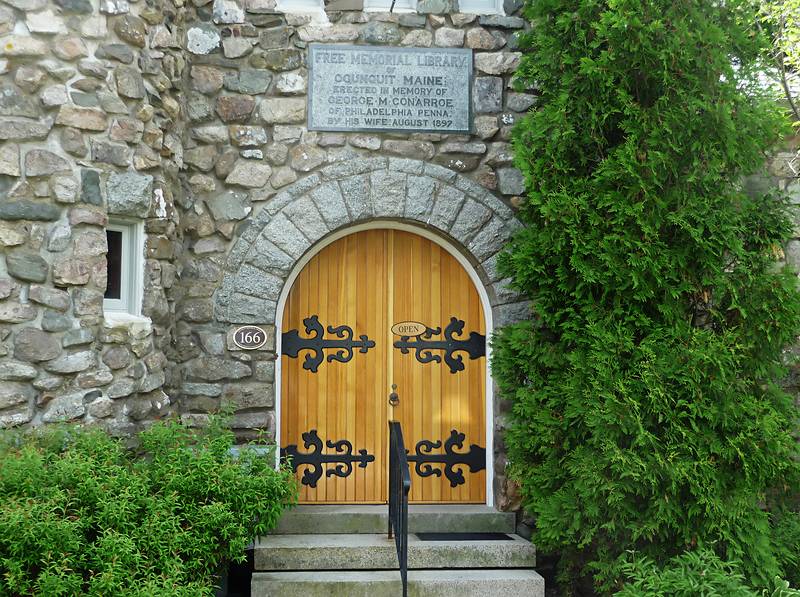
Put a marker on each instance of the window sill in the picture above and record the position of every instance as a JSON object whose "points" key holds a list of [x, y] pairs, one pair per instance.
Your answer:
{"points": [[113, 319], [314, 13]]}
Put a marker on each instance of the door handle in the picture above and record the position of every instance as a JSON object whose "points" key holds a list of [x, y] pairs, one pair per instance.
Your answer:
{"points": [[394, 399]]}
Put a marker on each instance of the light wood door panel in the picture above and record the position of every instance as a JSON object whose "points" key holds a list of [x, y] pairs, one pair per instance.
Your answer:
{"points": [[429, 286], [344, 284], [368, 281]]}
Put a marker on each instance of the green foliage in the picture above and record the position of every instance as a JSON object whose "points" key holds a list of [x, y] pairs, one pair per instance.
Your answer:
{"points": [[782, 19], [646, 413], [693, 574], [689, 574], [786, 537], [82, 514]]}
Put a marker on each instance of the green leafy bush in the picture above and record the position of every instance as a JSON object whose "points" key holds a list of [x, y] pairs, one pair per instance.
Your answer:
{"points": [[693, 574], [786, 537], [82, 514], [646, 413]]}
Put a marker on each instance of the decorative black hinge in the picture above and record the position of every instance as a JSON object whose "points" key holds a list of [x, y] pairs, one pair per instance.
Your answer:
{"points": [[475, 346], [292, 343], [343, 459], [475, 459]]}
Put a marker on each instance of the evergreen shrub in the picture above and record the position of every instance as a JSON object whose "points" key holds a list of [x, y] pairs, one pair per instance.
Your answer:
{"points": [[646, 409], [691, 574], [786, 536], [82, 514]]}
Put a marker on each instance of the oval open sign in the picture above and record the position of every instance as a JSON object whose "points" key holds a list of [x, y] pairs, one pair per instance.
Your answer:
{"points": [[409, 328]]}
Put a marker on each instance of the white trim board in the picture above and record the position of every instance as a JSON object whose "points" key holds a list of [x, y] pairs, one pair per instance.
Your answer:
{"points": [[487, 316], [400, 6], [481, 7]]}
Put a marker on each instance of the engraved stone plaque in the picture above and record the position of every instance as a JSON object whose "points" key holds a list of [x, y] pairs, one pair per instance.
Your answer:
{"points": [[379, 88]]}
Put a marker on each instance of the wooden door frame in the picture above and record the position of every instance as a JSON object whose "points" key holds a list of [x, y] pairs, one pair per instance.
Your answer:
{"points": [[476, 281]]}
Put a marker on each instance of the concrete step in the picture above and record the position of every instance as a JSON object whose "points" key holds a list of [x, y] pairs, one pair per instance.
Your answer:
{"points": [[378, 552], [386, 583], [307, 519]]}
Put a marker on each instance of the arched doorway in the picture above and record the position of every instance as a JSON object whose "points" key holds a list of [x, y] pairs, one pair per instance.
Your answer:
{"points": [[339, 357]]}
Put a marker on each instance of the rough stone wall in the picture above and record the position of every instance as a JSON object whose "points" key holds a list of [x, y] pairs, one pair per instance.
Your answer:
{"points": [[783, 173], [255, 174], [88, 130], [191, 118]]}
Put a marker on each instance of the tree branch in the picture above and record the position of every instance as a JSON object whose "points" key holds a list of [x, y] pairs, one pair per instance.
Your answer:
{"points": [[782, 66]]}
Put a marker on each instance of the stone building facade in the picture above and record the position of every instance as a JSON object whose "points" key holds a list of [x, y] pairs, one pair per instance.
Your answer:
{"points": [[190, 117]]}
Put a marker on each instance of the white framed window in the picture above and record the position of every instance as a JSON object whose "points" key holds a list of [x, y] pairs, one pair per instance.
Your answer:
{"points": [[123, 295], [481, 7]]}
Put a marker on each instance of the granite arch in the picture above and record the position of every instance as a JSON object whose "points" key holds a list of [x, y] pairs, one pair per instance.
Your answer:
{"points": [[344, 194]]}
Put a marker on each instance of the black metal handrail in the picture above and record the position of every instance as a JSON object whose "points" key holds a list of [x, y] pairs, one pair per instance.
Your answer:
{"points": [[399, 487]]}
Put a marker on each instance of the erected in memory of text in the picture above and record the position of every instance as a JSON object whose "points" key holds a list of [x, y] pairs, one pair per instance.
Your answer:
{"points": [[376, 88]]}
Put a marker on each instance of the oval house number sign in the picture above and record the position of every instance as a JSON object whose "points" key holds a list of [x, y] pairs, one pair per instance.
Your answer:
{"points": [[249, 337], [408, 328]]}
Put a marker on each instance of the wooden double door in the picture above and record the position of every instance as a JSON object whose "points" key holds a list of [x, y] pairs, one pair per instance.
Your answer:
{"points": [[372, 310]]}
